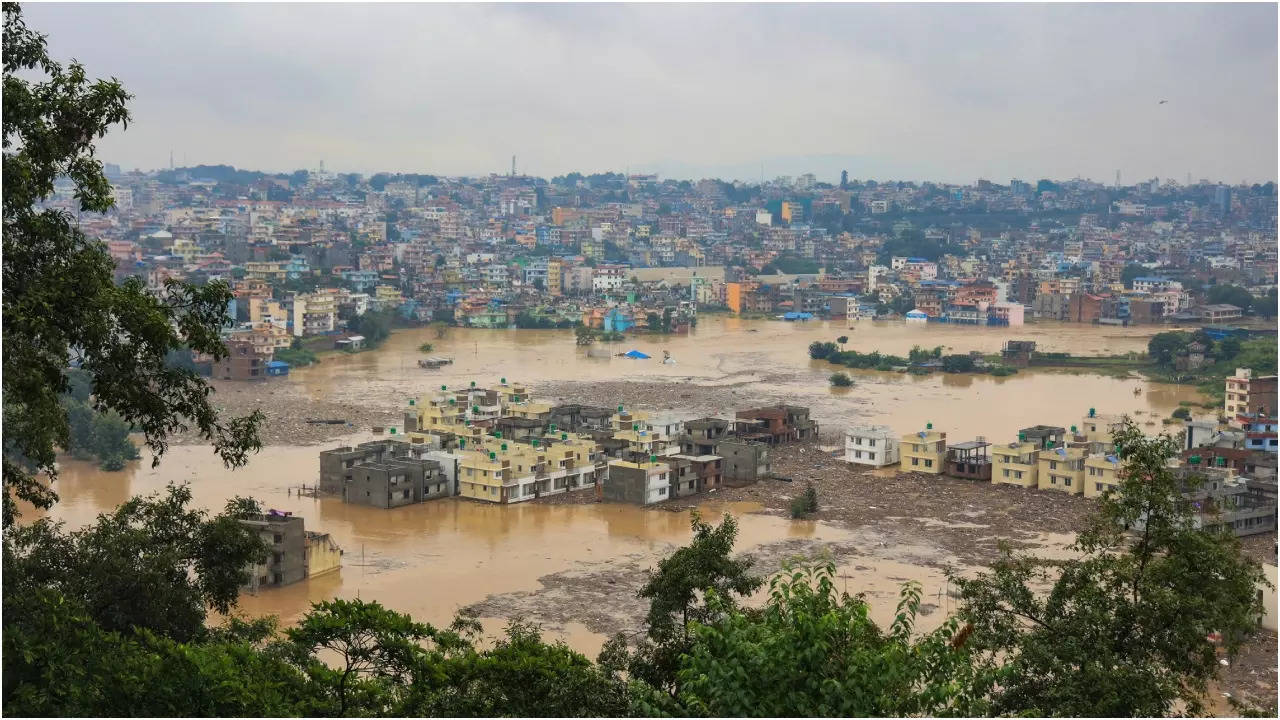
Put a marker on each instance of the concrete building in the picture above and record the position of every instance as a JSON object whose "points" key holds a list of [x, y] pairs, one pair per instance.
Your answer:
{"points": [[1102, 473], [701, 436], [1015, 463], [744, 461], [1062, 469], [286, 539], [314, 314], [705, 470], [924, 451], [244, 361], [395, 482], [970, 460], [1250, 397], [1097, 429], [638, 483], [323, 554], [776, 424], [871, 445], [579, 418], [336, 464]]}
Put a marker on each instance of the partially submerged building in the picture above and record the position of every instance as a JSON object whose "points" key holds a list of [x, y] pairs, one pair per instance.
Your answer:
{"points": [[640, 483], [924, 451], [871, 445]]}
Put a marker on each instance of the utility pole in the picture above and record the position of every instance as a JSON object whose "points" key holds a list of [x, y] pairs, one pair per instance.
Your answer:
{"points": [[513, 166]]}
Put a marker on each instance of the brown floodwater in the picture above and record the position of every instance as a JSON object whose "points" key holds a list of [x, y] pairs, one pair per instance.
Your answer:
{"points": [[431, 560]]}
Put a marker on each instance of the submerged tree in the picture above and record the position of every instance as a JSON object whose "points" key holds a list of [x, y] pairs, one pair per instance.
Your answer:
{"points": [[60, 298], [1123, 629]]}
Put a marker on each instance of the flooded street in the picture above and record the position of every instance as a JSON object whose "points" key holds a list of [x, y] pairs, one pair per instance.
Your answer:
{"points": [[575, 568]]}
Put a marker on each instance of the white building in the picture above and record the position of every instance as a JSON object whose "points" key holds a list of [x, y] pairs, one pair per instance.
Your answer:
{"points": [[872, 445]]}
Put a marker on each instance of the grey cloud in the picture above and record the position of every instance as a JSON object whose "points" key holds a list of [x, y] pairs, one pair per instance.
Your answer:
{"points": [[949, 92]]}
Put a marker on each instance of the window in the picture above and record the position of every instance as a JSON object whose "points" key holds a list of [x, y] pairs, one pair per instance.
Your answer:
{"points": [[1006, 472], [1067, 481], [405, 494], [1053, 480], [662, 491], [1053, 464], [928, 463], [1098, 487], [915, 461], [277, 538], [871, 456], [871, 442]]}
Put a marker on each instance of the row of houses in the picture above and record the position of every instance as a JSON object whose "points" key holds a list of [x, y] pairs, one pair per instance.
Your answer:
{"points": [[1079, 462], [499, 445]]}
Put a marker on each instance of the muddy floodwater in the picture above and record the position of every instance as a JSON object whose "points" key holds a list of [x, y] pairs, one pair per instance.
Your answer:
{"points": [[574, 568]]}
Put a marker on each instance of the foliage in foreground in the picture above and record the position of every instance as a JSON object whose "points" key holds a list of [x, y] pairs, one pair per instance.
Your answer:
{"points": [[60, 297], [1123, 628]]}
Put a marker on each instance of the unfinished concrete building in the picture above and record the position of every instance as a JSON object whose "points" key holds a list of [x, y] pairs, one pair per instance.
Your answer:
{"points": [[743, 461], [336, 464], [285, 536], [395, 482], [580, 418], [701, 436], [776, 424]]}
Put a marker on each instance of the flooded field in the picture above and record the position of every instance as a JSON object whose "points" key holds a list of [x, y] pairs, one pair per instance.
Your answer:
{"points": [[575, 568]]}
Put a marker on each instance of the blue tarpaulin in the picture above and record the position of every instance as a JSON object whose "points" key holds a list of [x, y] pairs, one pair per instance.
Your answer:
{"points": [[636, 354]]}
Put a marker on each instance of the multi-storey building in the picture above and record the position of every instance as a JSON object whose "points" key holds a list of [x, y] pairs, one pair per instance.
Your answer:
{"points": [[1062, 469], [924, 451], [871, 445]]}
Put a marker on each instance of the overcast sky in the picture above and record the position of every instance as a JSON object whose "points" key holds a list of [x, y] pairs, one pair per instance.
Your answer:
{"points": [[940, 92]]}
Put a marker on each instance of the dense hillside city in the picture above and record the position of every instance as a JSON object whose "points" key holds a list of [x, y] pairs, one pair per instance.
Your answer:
{"points": [[333, 444], [306, 252]]}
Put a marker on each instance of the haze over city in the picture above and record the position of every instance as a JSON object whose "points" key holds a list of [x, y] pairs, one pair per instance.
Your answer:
{"points": [[928, 92]]}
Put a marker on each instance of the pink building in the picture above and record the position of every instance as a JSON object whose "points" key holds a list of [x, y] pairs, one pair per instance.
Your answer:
{"points": [[1004, 313]]}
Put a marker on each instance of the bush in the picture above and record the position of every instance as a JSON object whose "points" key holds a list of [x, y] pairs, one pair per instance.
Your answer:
{"points": [[296, 358], [426, 347], [820, 350], [1003, 370], [1182, 413], [841, 380], [804, 504]]}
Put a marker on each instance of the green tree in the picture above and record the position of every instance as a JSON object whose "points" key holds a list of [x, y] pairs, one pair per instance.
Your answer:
{"points": [[957, 363], [840, 379], [1230, 295], [814, 652], [677, 593], [1131, 272], [60, 296], [820, 350], [375, 326], [378, 653], [842, 340], [1123, 628], [584, 335], [520, 676], [1164, 347], [153, 564]]}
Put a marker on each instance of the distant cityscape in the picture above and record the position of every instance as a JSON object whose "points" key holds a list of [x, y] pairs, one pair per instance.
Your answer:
{"points": [[309, 251]]}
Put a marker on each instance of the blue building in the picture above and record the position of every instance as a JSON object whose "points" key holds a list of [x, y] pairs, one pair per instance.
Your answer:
{"points": [[277, 368]]}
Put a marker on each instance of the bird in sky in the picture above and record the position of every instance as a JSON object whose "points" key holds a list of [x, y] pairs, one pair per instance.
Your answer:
{"points": [[1162, 102]]}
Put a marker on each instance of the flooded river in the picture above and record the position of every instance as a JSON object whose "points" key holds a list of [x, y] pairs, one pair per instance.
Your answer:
{"points": [[431, 560]]}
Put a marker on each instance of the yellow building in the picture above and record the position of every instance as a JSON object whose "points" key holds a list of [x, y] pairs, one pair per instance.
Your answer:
{"points": [[266, 310], [733, 293], [1102, 473], [924, 451], [264, 270], [1015, 464], [508, 472], [1097, 428], [387, 296], [1062, 469], [323, 554], [555, 283], [792, 211]]}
